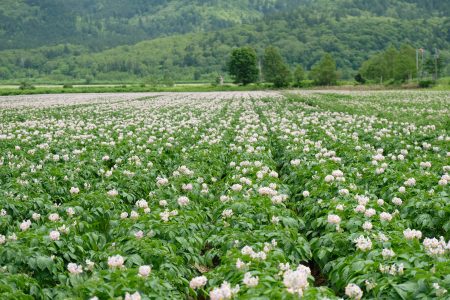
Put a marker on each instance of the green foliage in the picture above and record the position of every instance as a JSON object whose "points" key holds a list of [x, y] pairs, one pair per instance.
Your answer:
{"points": [[128, 41], [391, 64], [426, 83], [360, 79], [325, 72], [299, 76], [243, 65], [26, 86], [274, 69]]}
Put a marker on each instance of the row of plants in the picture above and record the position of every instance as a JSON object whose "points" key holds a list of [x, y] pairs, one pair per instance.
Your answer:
{"points": [[373, 194]]}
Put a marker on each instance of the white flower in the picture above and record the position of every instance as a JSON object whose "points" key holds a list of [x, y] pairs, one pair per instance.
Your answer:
{"points": [[2, 239], [54, 235], [344, 192], [74, 190], [183, 201], [74, 268], [353, 291], [135, 296], [411, 234], [435, 247], [397, 201], [247, 250], [198, 282], [25, 225], [384, 216], [163, 203], [305, 194], [363, 243], [236, 187], [70, 211], [370, 212], [134, 215], [275, 220], [112, 193], [187, 187], [139, 234], [387, 253], [116, 261], [340, 207], [334, 219], [165, 216], [35, 216], [142, 203], [89, 265], [124, 215], [410, 182], [360, 208], [250, 281], [367, 226], [267, 191], [225, 292], [53, 217], [162, 181], [227, 213], [295, 162], [144, 271], [296, 281], [240, 264], [337, 173], [329, 178]]}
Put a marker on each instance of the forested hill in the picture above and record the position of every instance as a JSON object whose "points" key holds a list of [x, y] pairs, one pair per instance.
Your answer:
{"points": [[103, 23], [185, 40]]}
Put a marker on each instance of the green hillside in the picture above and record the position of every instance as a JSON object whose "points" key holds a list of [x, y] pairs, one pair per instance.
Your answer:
{"points": [[193, 41], [105, 23]]}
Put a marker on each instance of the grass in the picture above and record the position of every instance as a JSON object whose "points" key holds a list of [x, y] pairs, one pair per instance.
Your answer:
{"points": [[129, 89], [11, 89]]}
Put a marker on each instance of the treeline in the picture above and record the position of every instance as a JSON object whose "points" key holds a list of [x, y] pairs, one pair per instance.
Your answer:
{"points": [[400, 65], [393, 65]]}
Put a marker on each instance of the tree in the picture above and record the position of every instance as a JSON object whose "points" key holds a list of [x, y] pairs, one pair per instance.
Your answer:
{"points": [[325, 72], [299, 76], [275, 70], [391, 64], [243, 65], [405, 64], [434, 66], [360, 79]]}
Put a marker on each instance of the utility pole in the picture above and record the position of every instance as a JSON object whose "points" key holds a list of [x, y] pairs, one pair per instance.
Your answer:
{"points": [[422, 52], [261, 77], [417, 63]]}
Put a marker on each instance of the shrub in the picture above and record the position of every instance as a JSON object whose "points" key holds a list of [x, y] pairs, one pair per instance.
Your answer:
{"points": [[26, 86], [424, 84]]}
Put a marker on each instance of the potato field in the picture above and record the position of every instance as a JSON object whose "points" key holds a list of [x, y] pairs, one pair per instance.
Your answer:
{"points": [[234, 195]]}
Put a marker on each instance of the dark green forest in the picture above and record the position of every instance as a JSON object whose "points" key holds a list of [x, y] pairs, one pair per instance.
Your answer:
{"points": [[112, 40]]}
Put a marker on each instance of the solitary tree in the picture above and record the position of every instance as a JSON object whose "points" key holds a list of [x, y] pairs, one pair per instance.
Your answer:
{"points": [[275, 69], [324, 72], [243, 65]]}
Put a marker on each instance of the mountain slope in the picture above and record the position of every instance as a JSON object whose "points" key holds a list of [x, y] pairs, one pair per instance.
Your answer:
{"points": [[304, 30], [104, 23]]}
